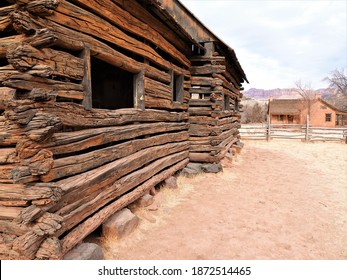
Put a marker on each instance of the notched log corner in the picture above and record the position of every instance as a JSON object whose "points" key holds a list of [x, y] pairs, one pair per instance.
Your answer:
{"points": [[42, 7]]}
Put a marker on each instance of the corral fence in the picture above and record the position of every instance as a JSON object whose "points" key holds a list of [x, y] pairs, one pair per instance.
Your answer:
{"points": [[292, 131]]}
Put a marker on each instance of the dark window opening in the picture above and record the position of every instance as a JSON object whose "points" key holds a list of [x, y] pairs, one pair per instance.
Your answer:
{"points": [[178, 88], [3, 62], [112, 87], [290, 119], [226, 102], [328, 117], [280, 118]]}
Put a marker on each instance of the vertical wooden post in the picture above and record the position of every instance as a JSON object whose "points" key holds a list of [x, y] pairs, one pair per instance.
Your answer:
{"points": [[307, 128], [139, 90], [87, 79], [268, 131], [209, 46], [177, 86]]}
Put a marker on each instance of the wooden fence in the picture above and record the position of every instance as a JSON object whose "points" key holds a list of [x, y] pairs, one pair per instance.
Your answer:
{"points": [[292, 131]]}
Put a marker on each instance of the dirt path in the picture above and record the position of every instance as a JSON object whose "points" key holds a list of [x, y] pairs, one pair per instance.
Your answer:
{"points": [[276, 200]]}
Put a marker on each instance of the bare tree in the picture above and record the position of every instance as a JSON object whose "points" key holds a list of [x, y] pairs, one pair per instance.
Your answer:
{"points": [[338, 83], [306, 92]]}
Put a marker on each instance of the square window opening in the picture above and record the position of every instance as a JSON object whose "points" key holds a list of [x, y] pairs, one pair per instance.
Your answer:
{"points": [[112, 87], [178, 88], [328, 117]]}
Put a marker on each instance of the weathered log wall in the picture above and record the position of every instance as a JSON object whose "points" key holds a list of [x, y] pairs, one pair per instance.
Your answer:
{"points": [[213, 107], [64, 166]]}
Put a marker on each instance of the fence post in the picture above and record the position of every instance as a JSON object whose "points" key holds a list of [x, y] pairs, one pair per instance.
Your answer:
{"points": [[307, 128], [268, 130]]}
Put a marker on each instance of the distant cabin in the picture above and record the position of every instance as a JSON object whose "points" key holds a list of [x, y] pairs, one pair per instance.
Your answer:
{"points": [[295, 111]]}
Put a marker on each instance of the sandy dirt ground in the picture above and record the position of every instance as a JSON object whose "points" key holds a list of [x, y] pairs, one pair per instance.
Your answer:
{"points": [[276, 200]]}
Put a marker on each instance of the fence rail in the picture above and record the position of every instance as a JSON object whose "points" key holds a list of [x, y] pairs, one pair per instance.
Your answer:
{"points": [[292, 131]]}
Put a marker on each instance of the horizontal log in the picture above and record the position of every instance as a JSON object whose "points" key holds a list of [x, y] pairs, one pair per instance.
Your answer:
{"points": [[80, 20], [200, 103], [203, 157], [73, 217], [200, 130], [200, 111], [116, 15], [205, 81], [41, 37], [29, 82], [157, 89], [212, 59], [89, 225], [226, 83], [94, 182], [114, 170], [200, 90], [22, 192], [68, 142], [68, 166], [159, 103], [138, 11], [47, 32], [207, 69], [9, 213], [40, 7], [75, 115], [24, 57], [232, 80], [204, 148], [14, 203]]}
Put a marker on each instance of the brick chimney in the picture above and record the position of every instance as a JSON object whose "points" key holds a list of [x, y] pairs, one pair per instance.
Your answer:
{"points": [[318, 96]]}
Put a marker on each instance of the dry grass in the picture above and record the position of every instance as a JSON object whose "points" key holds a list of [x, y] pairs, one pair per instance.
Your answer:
{"points": [[166, 199]]}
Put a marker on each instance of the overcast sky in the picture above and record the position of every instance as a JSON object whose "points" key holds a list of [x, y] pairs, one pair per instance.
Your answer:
{"points": [[280, 42]]}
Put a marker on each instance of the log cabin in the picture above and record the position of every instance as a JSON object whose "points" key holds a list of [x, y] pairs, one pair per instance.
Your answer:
{"points": [[101, 101]]}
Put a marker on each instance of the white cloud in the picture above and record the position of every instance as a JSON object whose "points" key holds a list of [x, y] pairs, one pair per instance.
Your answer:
{"points": [[279, 42]]}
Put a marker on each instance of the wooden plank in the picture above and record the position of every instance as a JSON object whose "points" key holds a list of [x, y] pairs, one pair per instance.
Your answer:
{"points": [[87, 78], [89, 225], [139, 90]]}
